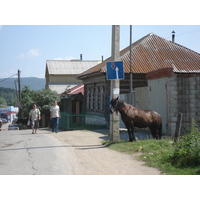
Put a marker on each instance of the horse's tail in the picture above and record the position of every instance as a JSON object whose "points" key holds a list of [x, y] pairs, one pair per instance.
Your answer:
{"points": [[158, 123]]}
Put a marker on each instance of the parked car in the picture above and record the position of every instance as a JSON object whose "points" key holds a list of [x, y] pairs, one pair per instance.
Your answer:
{"points": [[13, 127], [1, 123], [4, 120]]}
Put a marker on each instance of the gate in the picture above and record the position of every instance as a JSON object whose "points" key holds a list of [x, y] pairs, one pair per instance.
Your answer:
{"points": [[81, 121]]}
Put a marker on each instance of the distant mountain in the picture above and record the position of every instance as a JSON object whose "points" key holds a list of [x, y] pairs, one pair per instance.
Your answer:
{"points": [[33, 82]]}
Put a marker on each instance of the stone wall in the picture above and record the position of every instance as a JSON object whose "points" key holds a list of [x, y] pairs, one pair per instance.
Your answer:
{"points": [[183, 95]]}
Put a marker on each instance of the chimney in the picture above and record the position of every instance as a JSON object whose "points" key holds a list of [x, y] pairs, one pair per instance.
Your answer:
{"points": [[81, 57], [173, 36], [102, 58]]}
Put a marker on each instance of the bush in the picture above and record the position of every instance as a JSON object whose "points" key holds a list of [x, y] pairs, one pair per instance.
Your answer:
{"points": [[186, 152]]}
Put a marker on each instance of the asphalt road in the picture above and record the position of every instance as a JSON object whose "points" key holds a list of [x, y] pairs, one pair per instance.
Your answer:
{"points": [[23, 153]]}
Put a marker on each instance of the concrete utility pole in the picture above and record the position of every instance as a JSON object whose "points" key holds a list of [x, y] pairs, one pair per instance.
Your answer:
{"points": [[131, 73], [114, 84]]}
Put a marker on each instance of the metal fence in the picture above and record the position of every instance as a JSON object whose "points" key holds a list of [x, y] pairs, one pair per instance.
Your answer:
{"points": [[82, 121]]}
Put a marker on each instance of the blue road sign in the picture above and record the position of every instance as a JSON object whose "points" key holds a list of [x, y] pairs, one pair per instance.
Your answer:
{"points": [[115, 70]]}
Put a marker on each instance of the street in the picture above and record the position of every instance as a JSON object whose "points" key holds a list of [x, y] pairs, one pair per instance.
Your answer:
{"points": [[23, 153], [77, 152]]}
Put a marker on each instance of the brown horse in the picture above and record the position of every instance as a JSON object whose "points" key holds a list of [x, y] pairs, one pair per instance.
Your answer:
{"points": [[134, 117]]}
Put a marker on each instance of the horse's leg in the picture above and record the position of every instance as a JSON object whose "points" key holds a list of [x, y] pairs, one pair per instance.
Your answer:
{"points": [[132, 134], [153, 131], [156, 131], [128, 129]]}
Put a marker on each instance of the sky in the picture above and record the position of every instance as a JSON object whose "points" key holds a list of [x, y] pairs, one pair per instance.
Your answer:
{"points": [[34, 31], [27, 47], [86, 29]]}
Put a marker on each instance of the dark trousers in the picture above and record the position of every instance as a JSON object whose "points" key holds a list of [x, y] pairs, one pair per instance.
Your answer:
{"points": [[55, 122]]}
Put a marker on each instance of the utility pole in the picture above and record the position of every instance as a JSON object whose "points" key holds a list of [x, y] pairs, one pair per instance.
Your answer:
{"points": [[131, 73], [115, 84], [16, 90], [19, 88]]}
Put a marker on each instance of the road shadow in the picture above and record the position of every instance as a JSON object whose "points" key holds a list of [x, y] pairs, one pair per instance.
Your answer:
{"points": [[78, 147], [140, 135]]}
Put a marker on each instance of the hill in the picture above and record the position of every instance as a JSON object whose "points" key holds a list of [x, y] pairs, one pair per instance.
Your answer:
{"points": [[33, 82]]}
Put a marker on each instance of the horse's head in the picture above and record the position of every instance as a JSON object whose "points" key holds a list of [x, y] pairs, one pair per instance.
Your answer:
{"points": [[114, 105]]}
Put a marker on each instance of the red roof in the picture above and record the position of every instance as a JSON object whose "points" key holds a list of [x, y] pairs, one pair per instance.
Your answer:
{"points": [[76, 89]]}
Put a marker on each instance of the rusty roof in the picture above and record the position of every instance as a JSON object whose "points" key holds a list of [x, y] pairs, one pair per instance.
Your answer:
{"points": [[151, 53]]}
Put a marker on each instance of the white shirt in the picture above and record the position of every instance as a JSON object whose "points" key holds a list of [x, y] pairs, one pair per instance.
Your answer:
{"points": [[55, 111], [34, 113]]}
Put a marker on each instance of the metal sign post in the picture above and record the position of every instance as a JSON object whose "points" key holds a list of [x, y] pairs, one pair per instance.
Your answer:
{"points": [[114, 84]]}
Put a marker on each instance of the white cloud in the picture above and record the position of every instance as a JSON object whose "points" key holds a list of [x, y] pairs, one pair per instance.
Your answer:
{"points": [[30, 53], [34, 52]]}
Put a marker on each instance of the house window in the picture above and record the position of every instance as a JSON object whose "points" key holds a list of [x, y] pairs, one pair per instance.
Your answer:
{"points": [[101, 98], [97, 98], [91, 98], [88, 98]]}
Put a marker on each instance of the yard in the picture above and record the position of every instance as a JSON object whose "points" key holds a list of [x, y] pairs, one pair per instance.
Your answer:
{"points": [[181, 158]]}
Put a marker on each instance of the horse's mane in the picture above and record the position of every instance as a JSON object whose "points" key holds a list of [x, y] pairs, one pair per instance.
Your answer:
{"points": [[122, 103]]}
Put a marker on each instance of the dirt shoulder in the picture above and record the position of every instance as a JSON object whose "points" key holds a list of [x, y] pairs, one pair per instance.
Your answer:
{"points": [[89, 157]]}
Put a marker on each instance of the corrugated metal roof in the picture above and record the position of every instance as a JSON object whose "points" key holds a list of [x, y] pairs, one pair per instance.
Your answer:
{"points": [[59, 88], [63, 67], [153, 52], [76, 89]]}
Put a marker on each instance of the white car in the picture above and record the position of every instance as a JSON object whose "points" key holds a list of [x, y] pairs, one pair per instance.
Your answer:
{"points": [[13, 127]]}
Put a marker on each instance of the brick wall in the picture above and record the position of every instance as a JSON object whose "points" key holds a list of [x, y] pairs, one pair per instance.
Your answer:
{"points": [[160, 73], [183, 95]]}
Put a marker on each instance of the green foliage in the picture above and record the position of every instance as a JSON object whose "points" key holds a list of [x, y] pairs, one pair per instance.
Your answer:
{"points": [[9, 95], [42, 98], [181, 158], [3, 101], [186, 151]]}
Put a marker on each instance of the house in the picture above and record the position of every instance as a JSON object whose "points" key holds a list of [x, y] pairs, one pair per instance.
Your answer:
{"points": [[163, 72], [72, 100], [61, 74], [9, 112]]}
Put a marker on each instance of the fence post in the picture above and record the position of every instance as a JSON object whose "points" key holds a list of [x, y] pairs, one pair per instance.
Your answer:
{"points": [[178, 126]]}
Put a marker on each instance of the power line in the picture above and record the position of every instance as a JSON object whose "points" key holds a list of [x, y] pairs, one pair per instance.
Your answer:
{"points": [[7, 78], [185, 33], [188, 32]]}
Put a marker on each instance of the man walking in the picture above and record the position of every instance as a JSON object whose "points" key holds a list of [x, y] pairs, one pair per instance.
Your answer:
{"points": [[34, 115], [54, 116]]}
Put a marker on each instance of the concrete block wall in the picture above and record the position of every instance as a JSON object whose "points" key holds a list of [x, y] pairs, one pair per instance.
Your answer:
{"points": [[183, 95]]}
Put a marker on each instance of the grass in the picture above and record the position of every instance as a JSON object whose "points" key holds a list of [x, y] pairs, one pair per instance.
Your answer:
{"points": [[155, 153]]}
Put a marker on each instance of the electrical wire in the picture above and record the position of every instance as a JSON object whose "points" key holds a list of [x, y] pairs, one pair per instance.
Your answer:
{"points": [[177, 35], [7, 78]]}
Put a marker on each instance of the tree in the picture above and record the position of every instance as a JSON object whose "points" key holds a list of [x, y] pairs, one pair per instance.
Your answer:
{"points": [[27, 100], [42, 98], [9, 95], [3, 101]]}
